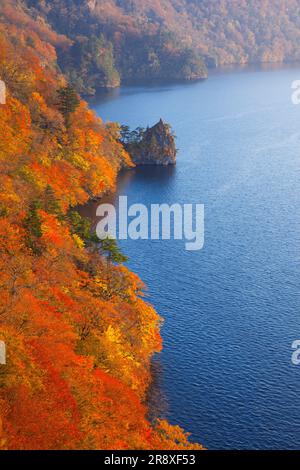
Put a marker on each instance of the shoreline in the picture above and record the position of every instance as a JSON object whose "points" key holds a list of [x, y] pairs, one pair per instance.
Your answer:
{"points": [[224, 68]]}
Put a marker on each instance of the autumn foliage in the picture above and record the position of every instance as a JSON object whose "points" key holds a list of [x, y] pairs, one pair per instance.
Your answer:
{"points": [[78, 333], [132, 40]]}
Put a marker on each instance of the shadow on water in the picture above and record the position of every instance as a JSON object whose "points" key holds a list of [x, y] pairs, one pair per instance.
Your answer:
{"points": [[104, 96], [156, 398], [231, 310], [146, 174]]}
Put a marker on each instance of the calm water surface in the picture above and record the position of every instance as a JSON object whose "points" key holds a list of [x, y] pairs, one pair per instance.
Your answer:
{"points": [[231, 310]]}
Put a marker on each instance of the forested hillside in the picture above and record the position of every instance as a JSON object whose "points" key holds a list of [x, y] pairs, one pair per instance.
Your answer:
{"points": [[78, 334], [138, 40]]}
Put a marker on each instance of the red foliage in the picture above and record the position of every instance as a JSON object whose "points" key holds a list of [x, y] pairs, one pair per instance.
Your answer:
{"points": [[78, 346]]}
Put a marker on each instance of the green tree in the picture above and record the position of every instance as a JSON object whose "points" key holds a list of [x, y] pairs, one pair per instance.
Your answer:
{"points": [[33, 226], [68, 101], [83, 228], [51, 204], [110, 249], [131, 137]]}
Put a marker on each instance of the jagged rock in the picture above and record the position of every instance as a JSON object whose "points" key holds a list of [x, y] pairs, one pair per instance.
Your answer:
{"points": [[154, 146]]}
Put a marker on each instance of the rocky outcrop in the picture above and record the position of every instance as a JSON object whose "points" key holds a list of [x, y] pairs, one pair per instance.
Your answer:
{"points": [[154, 146]]}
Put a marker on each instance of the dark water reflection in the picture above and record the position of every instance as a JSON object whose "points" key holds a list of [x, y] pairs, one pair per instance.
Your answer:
{"points": [[231, 310]]}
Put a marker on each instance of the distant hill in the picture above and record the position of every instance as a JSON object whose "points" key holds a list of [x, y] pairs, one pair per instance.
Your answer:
{"points": [[77, 335], [136, 40]]}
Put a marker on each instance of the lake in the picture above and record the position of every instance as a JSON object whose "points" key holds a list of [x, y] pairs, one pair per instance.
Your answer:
{"points": [[232, 310]]}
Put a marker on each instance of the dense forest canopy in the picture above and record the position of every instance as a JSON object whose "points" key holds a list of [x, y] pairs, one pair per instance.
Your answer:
{"points": [[79, 336], [78, 332], [133, 40]]}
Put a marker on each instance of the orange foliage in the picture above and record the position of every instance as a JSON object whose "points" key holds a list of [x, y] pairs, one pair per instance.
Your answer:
{"points": [[78, 347]]}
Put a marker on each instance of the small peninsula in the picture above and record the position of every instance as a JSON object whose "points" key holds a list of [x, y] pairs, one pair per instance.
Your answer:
{"points": [[152, 146]]}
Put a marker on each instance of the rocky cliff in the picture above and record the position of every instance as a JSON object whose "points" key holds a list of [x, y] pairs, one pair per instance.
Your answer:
{"points": [[152, 146]]}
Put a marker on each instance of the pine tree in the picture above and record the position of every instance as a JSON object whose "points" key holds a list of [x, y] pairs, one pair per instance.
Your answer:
{"points": [[33, 225], [51, 204], [113, 254], [68, 101]]}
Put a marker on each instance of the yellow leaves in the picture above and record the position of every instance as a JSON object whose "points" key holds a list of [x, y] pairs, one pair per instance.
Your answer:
{"points": [[51, 230], [78, 241], [28, 173], [127, 162], [79, 162], [168, 437], [113, 335], [101, 283], [120, 360], [66, 316], [58, 240], [20, 368], [93, 139], [8, 196], [39, 100], [15, 128]]}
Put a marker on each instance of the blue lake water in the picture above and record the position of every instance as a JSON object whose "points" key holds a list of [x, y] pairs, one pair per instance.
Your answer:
{"points": [[231, 310]]}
